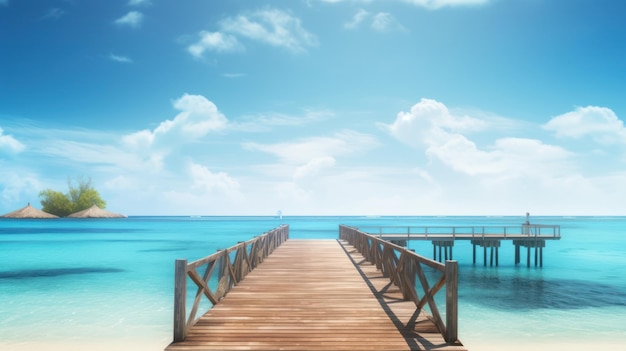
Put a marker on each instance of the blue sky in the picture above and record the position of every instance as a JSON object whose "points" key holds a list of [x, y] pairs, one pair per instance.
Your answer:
{"points": [[313, 107]]}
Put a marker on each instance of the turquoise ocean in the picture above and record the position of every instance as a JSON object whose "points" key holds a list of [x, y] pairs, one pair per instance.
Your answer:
{"points": [[91, 282]]}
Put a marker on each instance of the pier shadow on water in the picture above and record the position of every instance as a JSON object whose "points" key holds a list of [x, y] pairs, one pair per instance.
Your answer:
{"points": [[507, 291], [54, 272]]}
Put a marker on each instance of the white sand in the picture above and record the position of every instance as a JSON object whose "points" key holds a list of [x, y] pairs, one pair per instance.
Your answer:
{"points": [[99, 345], [159, 346], [547, 346]]}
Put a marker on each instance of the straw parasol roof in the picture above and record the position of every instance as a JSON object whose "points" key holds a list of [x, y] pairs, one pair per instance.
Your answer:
{"points": [[28, 212], [95, 212]]}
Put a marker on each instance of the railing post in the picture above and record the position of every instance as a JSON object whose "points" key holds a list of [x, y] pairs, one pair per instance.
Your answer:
{"points": [[452, 300], [180, 300]]}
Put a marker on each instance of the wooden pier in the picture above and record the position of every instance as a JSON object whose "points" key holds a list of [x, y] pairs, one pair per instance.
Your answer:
{"points": [[355, 293], [529, 236]]}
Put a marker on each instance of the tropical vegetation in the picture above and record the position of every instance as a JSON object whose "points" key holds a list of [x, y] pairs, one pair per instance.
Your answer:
{"points": [[79, 197]]}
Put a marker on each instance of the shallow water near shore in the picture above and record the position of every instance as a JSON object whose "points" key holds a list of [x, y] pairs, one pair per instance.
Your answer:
{"points": [[110, 282]]}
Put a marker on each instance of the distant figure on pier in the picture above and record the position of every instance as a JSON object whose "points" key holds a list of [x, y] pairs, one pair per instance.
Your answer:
{"points": [[527, 224]]}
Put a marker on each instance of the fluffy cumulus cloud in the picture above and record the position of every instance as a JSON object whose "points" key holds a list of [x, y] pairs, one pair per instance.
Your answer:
{"points": [[197, 118], [429, 122], [9, 143], [131, 19], [215, 41], [431, 126], [599, 123], [269, 26]]}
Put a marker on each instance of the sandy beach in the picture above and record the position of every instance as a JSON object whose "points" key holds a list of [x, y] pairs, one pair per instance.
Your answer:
{"points": [[150, 345]]}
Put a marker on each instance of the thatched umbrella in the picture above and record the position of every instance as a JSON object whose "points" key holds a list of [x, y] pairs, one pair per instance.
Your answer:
{"points": [[95, 212], [28, 212]]}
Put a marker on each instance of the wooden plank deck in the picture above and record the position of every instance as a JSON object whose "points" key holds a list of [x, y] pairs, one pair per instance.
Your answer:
{"points": [[308, 295]]}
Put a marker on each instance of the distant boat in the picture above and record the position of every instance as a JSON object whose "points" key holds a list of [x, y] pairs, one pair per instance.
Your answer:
{"points": [[279, 213]]}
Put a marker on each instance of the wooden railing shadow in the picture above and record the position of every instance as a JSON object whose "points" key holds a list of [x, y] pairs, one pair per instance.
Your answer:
{"points": [[405, 269], [225, 268]]}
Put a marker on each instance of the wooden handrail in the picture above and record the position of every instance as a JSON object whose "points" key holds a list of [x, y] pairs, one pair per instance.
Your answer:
{"points": [[247, 256], [402, 267], [542, 231]]}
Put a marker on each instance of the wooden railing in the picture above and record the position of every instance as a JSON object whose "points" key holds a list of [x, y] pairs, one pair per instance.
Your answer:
{"points": [[224, 271], [402, 266], [539, 231]]}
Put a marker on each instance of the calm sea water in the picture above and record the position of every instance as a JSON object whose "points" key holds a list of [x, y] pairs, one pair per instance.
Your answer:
{"points": [[72, 280]]}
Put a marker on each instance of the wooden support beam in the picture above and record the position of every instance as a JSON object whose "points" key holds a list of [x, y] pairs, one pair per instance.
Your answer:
{"points": [[473, 253], [452, 298], [180, 299], [485, 256], [497, 254]]}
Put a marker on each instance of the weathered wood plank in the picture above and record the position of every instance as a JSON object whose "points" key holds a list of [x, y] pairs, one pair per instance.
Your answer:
{"points": [[308, 295]]}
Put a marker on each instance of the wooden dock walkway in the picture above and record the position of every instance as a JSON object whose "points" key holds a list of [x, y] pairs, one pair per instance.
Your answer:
{"points": [[529, 236], [314, 295]]}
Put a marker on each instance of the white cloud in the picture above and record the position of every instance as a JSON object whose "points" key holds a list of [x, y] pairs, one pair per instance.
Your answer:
{"points": [[599, 123], [8, 142], [314, 167], [131, 19], [430, 121], [205, 181], [380, 22], [197, 118], [14, 184], [431, 126], [356, 20], [200, 191], [215, 41], [509, 157], [121, 59], [120, 182], [273, 27], [303, 151], [384, 21], [264, 122]]}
